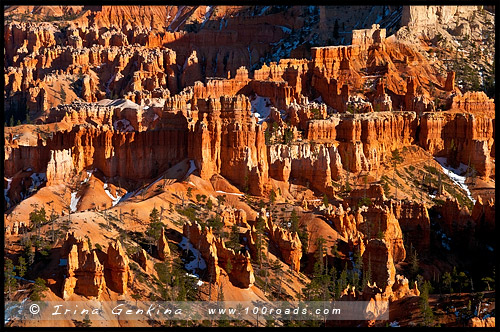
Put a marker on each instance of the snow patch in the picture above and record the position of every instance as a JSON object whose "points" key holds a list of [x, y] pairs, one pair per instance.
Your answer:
{"points": [[38, 180], [123, 125], [192, 168], [74, 201], [263, 11], [6, 192], [126, 196], [198, 263], [223, 192], [394, 324], [12, 309], [116, 199], [87, 179], [261, 107], [179, 10], [285, 29], [455, 174]]}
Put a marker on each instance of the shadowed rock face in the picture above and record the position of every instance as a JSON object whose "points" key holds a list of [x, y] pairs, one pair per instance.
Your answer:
{"points": [[89, 273], [217, 256], [378, 257], [129, 92], [118, 265]]}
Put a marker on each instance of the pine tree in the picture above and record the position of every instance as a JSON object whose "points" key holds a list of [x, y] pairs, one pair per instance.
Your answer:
{"points": [[21, 267], [294, 221], [86, 321], [367, 274], [396, 160], [325, 200], [332, 283], [446, 282], [358, 264], [343, 279], [336, 29], [272, 197], [425, 308], [259, 229], [414, 263], [277, 268], [37, 290], [463, 281], [154, 229], [28, 252], [234, 239], [9, 281]]}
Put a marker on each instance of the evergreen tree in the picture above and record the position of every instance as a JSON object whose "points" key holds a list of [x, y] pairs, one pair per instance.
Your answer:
{"points": [[446, 282], [154, 228], [343, 278], [272, 197], [9, 280], [21, 267], [425, 308], [367, 274], [325, 201], [276, 267], [396, 160], [336, 29], [414, 263], [358, 267], [28, 252], [259, 228], [37, 290], [488, 281], [234, 239], [86, 321], [463, 281], [294, 221], [332, 283]]}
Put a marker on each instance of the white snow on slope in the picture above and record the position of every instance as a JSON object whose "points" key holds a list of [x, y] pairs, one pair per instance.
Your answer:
{"points": [[455, 174], [12, 309], [198, 262], [285, 29], [192, 168], [223, 192], [123, 125], [263, 11], [126, 196], [261, 107], [6, 191], [89, 174], [394, 324], [74, 201], [38, 180], [116, 199]]}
